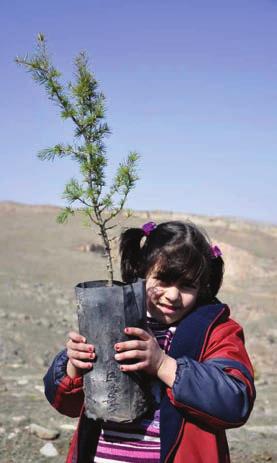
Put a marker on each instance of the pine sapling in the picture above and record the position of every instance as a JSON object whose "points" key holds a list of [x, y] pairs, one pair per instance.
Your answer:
{"points": [[84, 105]]}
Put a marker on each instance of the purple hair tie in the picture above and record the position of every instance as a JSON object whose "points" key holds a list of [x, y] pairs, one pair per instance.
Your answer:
{"points": [[215, 252], [148, 227]]}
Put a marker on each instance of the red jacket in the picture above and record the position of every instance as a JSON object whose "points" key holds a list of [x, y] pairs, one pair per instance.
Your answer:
{"points": [[213, 390]]}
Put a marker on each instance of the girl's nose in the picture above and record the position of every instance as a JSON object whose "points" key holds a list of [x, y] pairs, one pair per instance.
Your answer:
{"points": [[172, 293]]}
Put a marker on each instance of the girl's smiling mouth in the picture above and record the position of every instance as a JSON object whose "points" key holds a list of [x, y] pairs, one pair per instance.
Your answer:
{"points": [[170, 308]]}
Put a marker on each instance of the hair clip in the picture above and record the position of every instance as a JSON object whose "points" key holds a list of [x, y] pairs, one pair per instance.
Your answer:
{"points": [[148, 228], [215, 252]]}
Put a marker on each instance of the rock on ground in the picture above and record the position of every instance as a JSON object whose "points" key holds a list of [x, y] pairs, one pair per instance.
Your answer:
{"points": [[49, 450], [42, 432]]}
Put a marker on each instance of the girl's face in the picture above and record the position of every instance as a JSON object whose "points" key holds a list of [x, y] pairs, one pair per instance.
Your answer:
{"points": [[169, 302]]}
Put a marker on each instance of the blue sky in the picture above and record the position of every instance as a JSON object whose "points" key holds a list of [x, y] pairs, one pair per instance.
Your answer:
{"points": [[191, 85]]}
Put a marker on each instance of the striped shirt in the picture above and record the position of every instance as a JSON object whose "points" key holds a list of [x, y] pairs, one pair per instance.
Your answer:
{"points": [[139, 441]]}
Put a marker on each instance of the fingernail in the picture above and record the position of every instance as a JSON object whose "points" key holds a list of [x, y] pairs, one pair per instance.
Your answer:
{"points": [[126, 330], [90, 349], [121, 367]]}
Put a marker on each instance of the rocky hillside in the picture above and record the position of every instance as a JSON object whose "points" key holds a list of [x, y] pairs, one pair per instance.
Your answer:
{"points": [[41, 262]]}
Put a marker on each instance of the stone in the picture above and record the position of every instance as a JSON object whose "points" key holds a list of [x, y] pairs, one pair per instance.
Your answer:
{"points": [[22, 382], [42, 432], [15, 365], [68, 427], [13, 434], [19, 419], [49, 450]]}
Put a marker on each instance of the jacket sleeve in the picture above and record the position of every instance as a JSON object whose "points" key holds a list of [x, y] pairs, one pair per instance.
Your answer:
{"points": [[219, 389], [64, 393]]}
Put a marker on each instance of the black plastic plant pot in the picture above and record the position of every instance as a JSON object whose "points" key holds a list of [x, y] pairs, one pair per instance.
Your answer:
{"points": [[103, 313]]}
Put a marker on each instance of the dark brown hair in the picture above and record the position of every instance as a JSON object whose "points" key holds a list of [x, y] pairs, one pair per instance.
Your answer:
{"points": [[174, 249]]}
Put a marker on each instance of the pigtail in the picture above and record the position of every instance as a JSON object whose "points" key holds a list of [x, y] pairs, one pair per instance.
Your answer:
{"points": [[216, 275], [131, 255]]}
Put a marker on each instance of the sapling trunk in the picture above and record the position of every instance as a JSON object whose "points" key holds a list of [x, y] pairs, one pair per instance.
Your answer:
{"points": [[108, 255]]}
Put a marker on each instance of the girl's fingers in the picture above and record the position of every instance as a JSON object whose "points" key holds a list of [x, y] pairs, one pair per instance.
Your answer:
{"points": [[133, 367], [139, 332], [81, 365], [73, 354], [130, 345], [78, 342], [130, 354], [76, 337], [80, 346]]}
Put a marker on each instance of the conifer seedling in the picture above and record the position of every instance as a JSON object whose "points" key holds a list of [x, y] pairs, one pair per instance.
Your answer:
{"points": [[83, 103]]}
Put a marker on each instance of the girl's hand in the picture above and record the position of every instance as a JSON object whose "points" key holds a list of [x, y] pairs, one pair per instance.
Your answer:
{"points": [[145, 349], [80, 354]]}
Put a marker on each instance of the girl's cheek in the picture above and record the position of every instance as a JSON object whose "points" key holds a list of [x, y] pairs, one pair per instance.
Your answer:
{"points": [[152, 295], [158, 292]]}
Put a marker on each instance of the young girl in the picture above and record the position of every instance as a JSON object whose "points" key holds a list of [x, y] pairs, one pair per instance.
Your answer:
{"points": [[193, 354]]}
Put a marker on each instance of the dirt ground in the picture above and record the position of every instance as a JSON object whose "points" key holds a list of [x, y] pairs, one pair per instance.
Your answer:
{"points": [[42, 261]]}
